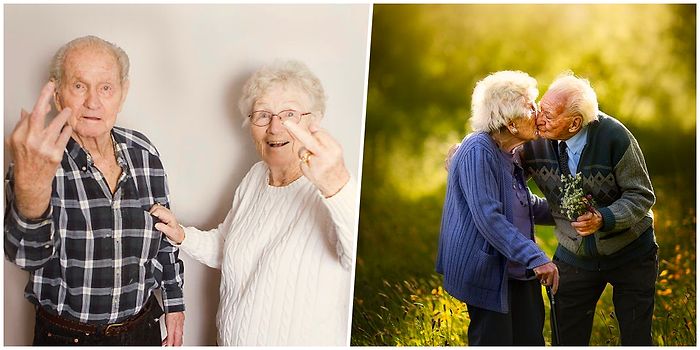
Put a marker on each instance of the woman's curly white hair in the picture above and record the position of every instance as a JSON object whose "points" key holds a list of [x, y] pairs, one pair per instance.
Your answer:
{"points": [[500, 98], [291, 73]]}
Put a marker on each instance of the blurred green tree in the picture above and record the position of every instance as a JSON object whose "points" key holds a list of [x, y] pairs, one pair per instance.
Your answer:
{"points": [[426, 59]]}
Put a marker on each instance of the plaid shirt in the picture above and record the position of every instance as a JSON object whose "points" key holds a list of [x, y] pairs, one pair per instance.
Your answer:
{"points": [[96, 257]]}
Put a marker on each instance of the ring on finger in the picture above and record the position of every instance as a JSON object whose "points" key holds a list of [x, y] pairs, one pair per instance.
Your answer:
{"points": [[305, 157]]}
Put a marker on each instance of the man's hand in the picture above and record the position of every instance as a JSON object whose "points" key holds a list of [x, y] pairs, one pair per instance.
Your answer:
{"points": [[548, 274], [174, 324], [37, 151], [588, 223]]}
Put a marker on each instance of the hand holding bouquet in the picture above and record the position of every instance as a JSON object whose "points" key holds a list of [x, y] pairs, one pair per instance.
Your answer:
{"points": [[574, 202]]}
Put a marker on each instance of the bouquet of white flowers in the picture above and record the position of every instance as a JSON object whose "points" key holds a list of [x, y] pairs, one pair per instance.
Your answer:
{"points": [[574, 202]]}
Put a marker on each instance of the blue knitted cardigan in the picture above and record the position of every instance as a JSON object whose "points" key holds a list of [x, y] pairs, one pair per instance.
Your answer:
{"points": [[477, 236]]}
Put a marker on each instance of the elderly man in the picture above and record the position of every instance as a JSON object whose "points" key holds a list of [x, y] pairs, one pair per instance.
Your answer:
{"points": [[78, 194], [612, 243]]}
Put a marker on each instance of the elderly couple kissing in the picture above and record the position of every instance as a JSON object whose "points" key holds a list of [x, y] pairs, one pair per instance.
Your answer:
{"points": [[487, 251], [88, 215]]}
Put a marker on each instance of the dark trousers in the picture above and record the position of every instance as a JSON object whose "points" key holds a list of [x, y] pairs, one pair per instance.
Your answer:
{"points": [[522, 325], [633, 298], [145, 333]]}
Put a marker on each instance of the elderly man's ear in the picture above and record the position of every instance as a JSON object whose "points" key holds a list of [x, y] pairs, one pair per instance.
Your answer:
{"points": [[57, 100], [575, 124]]}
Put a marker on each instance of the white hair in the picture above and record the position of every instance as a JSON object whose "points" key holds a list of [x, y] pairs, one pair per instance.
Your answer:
{"points": [[289, 72], [580, 98], [500, 98], [56, 68]]}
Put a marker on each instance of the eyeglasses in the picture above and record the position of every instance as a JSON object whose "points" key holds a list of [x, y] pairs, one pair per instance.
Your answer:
{"points": [[534, 110], [263, 118]]}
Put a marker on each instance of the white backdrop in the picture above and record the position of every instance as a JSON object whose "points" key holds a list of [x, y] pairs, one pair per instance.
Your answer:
{"points": [[188, 64]]}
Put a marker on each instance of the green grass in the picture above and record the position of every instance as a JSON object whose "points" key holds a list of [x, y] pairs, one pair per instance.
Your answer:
{"points": [[399, 299]]}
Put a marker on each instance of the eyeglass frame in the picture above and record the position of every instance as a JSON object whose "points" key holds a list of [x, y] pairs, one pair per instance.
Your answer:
{"points": [[250, 116]]}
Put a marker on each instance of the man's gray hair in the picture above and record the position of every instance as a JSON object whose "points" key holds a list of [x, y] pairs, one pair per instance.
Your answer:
{"points": [[59, 58], [290, 72], [500, 98], [580, 98]]}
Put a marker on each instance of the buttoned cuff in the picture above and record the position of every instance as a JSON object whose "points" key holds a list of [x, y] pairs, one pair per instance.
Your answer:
{"points": [[34, 230]]}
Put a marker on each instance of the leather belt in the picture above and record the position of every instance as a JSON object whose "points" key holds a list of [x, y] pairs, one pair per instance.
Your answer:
{"points": [[103, 329]]}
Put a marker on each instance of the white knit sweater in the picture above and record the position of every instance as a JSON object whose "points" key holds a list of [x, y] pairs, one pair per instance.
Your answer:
{"points": [[285, 255]]}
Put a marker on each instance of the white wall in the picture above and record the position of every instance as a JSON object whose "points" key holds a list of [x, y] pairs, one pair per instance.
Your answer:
{"points": [[188, 65]]}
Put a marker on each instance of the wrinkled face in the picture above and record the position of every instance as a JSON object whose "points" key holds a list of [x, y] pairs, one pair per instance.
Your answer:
{"points": [[274, 143], [527, 125], [553, 122], [91, 87]]}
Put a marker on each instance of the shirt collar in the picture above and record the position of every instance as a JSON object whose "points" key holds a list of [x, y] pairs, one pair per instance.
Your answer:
{"points": [[83, 160], [576, 143]]}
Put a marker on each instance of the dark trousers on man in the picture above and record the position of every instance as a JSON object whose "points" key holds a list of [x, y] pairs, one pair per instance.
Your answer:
{"points": [[142, 329], [633, 298], [522, 325]]}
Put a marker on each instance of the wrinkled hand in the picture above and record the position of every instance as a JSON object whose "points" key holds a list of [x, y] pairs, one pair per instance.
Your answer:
{"points": [[451, 153], [548, 274], [588, 223], [324, 166], [174, 325], [168, 223], [37, 150]]}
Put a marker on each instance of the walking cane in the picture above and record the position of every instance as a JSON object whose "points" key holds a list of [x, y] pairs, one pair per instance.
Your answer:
{"points": [[553, 315], [552, 308]]}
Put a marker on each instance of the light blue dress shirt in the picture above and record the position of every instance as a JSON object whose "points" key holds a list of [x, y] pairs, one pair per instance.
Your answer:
{"points": [[575, 147]]}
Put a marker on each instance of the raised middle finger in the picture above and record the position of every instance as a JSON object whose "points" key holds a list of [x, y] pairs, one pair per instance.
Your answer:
{"points": [[42, 105], [305, 137]]}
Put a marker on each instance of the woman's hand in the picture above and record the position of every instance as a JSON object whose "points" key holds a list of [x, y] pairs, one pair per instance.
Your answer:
{"points": [[168, 223], [548, 274], [321, 158]]}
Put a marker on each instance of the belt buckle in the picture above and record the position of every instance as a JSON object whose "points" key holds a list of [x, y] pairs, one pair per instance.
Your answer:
{"points": [[107, 330]]}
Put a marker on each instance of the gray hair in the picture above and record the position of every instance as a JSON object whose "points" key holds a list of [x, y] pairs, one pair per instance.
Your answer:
{"points": [[283, 72], [579, 94], [59, 58], [500, 98]]}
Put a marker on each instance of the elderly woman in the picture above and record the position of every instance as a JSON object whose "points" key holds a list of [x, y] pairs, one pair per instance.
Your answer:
{"points": [[286, 247], [487, 241]]}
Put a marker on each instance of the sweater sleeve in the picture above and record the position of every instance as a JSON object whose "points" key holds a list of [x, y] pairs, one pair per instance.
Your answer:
{"points": [[637, 197], [478, 183], [207, 247], [342, 207], [540, 210]]}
